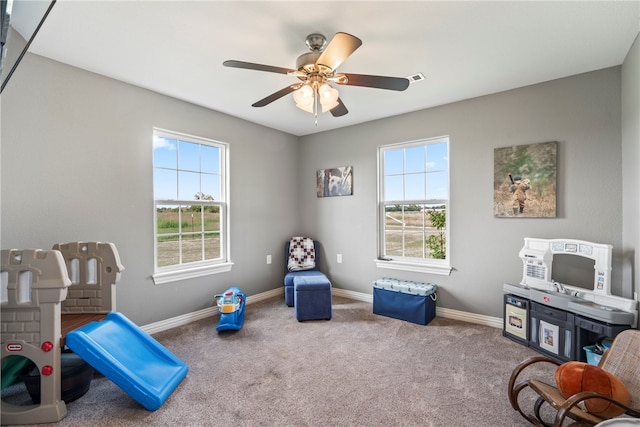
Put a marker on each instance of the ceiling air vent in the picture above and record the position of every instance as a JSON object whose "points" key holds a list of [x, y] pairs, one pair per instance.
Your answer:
{"points": [[414, 78]]}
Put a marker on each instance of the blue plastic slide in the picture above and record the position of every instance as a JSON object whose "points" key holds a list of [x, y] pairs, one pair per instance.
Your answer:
{"points": [[231, 306], [129, 357]]}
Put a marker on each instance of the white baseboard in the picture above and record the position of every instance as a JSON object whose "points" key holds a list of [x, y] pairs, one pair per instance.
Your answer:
{"points": [[358, 296], [448, 313], [184, 319], [479, 319]]}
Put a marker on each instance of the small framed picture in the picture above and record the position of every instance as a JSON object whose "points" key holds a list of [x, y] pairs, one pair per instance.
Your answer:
{"points": [[549, 338], [335, 182]]}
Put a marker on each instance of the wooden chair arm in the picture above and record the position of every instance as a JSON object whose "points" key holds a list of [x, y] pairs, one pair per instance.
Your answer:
{"points": [[513, 393], [577, 398]]}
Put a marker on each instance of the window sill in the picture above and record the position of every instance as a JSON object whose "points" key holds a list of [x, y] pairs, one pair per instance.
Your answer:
{"points": [[190, 273], [441, 269]]}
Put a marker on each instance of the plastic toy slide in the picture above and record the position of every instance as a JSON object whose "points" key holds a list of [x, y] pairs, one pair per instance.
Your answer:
{"points": [[231, 306], [129, 357]]}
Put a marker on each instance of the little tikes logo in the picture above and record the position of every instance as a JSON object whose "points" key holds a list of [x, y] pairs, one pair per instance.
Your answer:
{"points": [[14, 347]]}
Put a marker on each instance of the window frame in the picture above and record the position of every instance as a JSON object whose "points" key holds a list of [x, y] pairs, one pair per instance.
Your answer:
{"points": [[189, 270], [404, 263]]}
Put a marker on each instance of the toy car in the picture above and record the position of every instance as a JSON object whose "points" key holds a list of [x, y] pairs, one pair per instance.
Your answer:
{"points": [[231, 306]]}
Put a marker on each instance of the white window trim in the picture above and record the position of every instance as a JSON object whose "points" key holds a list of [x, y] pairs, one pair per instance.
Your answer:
{"points": [[430, 266], [162, 275], [443, 269], [192, 272]]}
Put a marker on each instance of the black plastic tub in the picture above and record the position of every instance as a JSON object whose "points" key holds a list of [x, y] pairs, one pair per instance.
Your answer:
{"points": [[75, 380]]}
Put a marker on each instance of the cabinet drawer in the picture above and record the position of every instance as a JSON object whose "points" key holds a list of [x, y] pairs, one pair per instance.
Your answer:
{"points": [[549, 312]]}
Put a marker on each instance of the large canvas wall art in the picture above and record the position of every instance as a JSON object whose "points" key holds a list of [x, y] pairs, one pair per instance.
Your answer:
{"points": [[524, 181]]}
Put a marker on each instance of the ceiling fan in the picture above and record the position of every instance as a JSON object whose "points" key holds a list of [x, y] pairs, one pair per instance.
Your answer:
{"points": [[316, 70]]}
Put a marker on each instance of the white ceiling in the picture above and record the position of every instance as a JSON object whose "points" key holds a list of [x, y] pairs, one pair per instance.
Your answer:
{"points": [[464, 49]]}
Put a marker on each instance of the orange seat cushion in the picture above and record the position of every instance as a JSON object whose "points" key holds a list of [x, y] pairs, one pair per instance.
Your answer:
{"points": [[574, 377]]}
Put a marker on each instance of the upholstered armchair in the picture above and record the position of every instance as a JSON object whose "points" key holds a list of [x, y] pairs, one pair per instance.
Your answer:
{"points": [[290, 275]]}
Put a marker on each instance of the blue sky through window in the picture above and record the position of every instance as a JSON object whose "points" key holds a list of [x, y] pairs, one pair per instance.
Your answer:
{"points": [[183, 169], [416, 173]]}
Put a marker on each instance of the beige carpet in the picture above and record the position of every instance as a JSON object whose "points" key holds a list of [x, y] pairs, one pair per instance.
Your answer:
{"points": [[358, 369]]}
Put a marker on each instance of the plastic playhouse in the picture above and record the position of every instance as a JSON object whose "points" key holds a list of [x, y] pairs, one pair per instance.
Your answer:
{"points": [[47, 293]]}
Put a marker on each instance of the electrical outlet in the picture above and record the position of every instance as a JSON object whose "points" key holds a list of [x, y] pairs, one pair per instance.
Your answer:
{"points": [[268, 259], [339, 258]]}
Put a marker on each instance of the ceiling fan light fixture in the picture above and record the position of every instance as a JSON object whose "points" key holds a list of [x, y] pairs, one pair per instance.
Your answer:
{"points": [[328, 97], [304, 98], [306, 107]]}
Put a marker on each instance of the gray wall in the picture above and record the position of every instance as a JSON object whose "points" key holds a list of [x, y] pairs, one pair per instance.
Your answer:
{"points": [[631, 164], [77, 165], [581, 112]]}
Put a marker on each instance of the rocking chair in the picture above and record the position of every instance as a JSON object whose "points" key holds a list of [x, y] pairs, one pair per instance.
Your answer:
{"points": [[622, 360]]}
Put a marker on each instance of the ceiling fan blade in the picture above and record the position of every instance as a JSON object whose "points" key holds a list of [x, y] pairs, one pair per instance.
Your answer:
{"points": [[339, 110], [341, 46], [277, 95], [379, 82], [257, 67]]}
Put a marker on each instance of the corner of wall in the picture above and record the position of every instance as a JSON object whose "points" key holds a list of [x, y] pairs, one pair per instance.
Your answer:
{"points": [[630, 125]]}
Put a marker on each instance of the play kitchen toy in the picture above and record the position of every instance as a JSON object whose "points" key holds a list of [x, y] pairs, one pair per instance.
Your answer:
{"points": [[564, 301]]}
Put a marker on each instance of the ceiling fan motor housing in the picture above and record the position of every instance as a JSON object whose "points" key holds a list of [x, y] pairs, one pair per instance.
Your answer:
{"points": [[316, 43], [307, 61]]}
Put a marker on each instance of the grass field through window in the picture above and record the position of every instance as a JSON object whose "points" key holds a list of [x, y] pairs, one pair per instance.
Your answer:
{"points": [[411, 228], [195, 234]]}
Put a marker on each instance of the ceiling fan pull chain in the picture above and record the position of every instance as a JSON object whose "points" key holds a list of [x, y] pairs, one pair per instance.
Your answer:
{"points": [[315, 104]]}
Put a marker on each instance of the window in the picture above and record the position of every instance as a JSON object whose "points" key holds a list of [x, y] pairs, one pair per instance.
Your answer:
{"points": [[190, 206], [413, 204]]}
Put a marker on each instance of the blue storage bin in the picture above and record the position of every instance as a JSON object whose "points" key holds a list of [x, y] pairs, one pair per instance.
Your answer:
{"points": [[594, 356], [405, 300]]}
